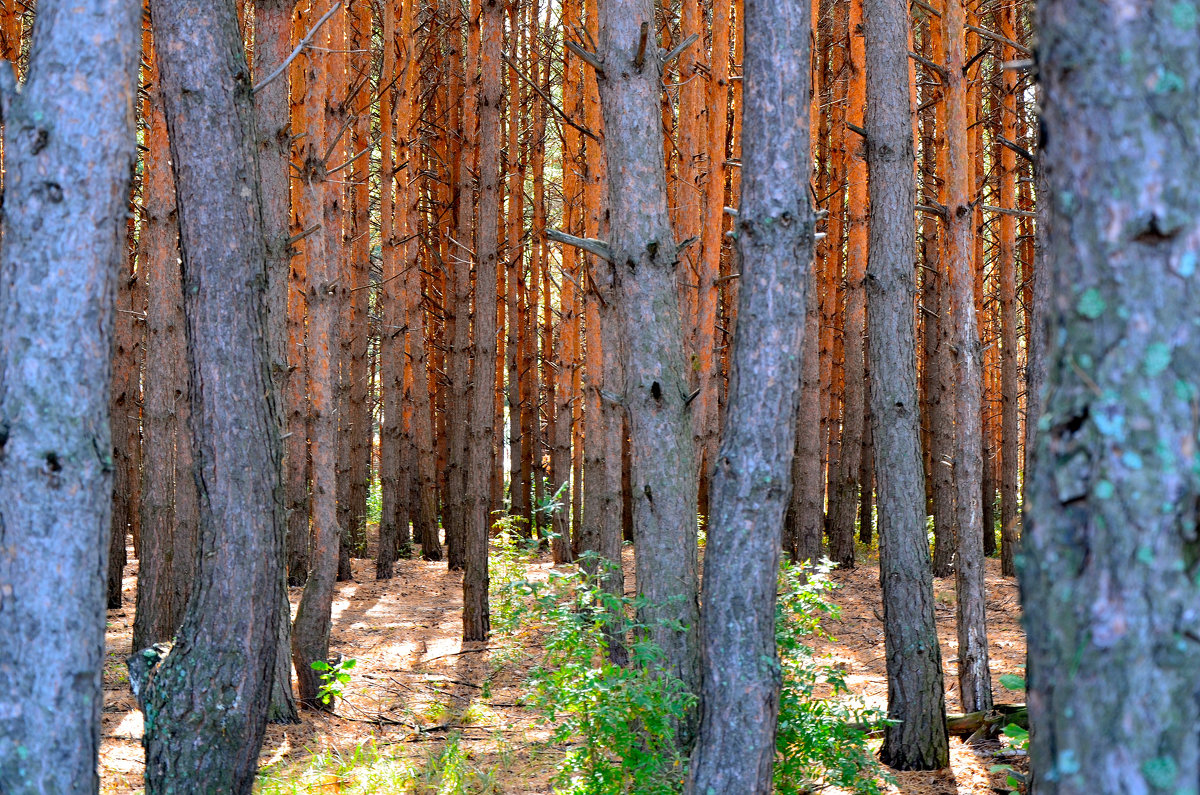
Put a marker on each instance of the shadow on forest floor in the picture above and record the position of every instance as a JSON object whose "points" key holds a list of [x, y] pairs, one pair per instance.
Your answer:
{"points": [[415, 718]]}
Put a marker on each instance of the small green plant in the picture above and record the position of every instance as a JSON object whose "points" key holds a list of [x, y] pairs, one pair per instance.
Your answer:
{"points": [[333, 678], [374, 502], [1014, 736], [821, 741]]}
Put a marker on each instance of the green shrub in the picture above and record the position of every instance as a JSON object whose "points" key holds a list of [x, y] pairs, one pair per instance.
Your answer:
{"points": [[820, 741], [618, 722]]}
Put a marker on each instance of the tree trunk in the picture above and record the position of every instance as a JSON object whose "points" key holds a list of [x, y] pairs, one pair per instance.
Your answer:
{"points": [[167, 566], [272, 44], [476, 617], [735, 751], [124, 419], [806, 516], [844, 500], [916, 699], [358, 422], [1010, 433], [941, 368], [310, 631], [297, 464], [656, 386], [391, 306], [975, 681], [458, 320], [208, 703], [69, 154], [1108, 570]]}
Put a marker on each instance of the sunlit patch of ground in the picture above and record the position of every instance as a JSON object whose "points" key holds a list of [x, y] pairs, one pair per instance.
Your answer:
{"points": [[424, 714]]}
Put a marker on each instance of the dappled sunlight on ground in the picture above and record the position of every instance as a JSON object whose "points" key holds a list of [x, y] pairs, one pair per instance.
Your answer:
{"points": [[425, 714]]}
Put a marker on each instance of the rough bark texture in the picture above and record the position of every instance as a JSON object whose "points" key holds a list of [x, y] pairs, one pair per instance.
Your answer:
{"points": [[310, 631], [914, 660], [973, 677], [938, 364], [806, 514], [69, 152], [272, 39], [391, 338], [477, 498], [458, 317], [1009, 387], [735, 750], [206, 707], [651, 338], [167, 564], [844, 499], [127, 349], [1109, 555], [295, 398]]}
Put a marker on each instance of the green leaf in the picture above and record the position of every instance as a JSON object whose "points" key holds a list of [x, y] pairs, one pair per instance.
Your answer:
{"points": [[320, 665], [1012, 682]]}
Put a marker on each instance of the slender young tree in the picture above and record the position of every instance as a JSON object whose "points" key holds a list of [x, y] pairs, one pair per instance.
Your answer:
{"points": [[310, 630], [843, 500], [735, 750], [644, 258], [975, 683], [68, 157], [1009, 462], [207, 705], [167, 564], [1109, 553], [916, 700], [476, 617]]}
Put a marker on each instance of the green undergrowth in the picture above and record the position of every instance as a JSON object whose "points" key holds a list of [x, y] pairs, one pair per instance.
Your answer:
{"points": [[610, 728], [366, 769], [615, 724]]}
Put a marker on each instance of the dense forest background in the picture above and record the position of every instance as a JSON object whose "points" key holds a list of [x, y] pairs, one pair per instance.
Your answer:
{"points": [[636, 290]]}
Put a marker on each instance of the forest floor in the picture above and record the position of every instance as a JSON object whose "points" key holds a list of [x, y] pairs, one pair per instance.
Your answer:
{"points": [[424, 713]]}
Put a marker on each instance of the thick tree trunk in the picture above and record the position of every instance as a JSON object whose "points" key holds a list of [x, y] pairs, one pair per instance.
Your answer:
{"points": [[975, 683], [208, 703], [1108, 564], [656, 386], [69, 154], [914, 661], [167, 565], [735, 750]]}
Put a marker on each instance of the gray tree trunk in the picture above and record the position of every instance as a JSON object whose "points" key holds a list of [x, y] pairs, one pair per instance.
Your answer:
{"points": [[914, 660], [751, 484], [651, 334], [1109, 561], [68, 156], [207, 705]]}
